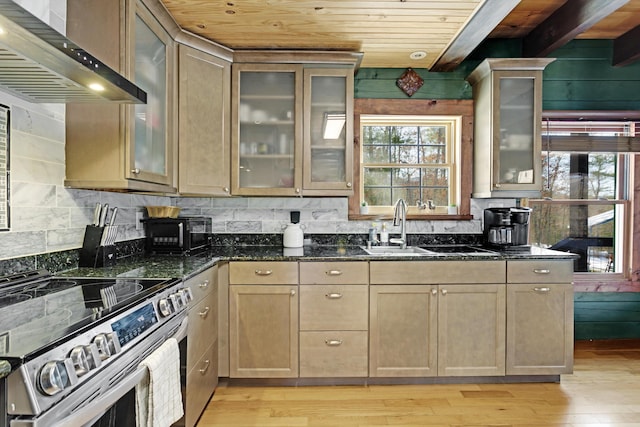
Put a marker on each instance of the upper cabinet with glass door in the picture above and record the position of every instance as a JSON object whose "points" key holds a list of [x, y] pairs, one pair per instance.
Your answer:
{"points": [[328, 131], [507, 95], [151, 125], [114, 146], [266, 143], [292, 123]]}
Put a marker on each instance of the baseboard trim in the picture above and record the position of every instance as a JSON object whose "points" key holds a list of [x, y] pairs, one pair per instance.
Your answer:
{"points": [[609, 344]]}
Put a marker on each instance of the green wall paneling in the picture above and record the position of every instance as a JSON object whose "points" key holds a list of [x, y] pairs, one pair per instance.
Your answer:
{"points": [[581, 78], [607, 315], [380, 83]]}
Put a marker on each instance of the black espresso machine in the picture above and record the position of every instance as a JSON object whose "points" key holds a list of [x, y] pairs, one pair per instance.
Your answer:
{"points": [[507, 228]]}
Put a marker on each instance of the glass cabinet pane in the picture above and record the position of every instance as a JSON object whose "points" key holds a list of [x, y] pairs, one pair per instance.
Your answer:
{"points": [[266, 116], [149, 124], [516, 121], [328, 134]]}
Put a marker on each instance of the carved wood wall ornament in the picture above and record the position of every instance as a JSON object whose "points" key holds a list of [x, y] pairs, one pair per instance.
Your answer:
{"points": [[410, 82]]}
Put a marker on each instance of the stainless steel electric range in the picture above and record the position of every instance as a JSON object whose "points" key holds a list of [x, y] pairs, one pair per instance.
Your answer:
{"points": [[70, 347]]}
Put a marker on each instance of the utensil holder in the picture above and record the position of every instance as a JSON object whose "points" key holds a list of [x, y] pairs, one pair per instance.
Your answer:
{"points": [[94, 252]]}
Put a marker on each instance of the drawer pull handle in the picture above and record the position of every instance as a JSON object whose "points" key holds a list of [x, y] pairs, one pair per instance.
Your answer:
{"points": [[333, 343], [206, 366], [541, 290], [434, 291], [204, 313], [541, 271], [333, 295], [333, 273], [292, 292], [204, 284], [444, 292], [264, 272]]}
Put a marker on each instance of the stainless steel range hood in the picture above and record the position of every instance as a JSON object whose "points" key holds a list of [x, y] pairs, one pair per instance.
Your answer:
{"points": [[39, 64]]}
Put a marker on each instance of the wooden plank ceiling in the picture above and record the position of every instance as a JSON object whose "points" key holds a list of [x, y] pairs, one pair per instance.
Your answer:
{"points": [[388, 32]]}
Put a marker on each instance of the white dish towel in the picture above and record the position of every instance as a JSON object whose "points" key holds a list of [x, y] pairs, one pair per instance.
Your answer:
{"points": [[158, 396]]}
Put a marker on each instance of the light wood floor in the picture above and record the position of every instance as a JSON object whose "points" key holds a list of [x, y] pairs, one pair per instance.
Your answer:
{"points": [[604, 390]]}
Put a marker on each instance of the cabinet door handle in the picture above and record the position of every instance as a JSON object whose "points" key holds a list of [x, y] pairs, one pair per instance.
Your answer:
{"points": [[434, 291], [297, 191], [541, 271], [204, 284], [444, 291], [334, 295], [225, 189], [206, 366], [333, 273], [333, 343], [135, 171], [292, 292], [349, 185], [264, 272], [541, 290], [204, 313]]}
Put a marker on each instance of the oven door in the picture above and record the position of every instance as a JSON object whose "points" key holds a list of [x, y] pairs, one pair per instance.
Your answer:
{"points": [[107, 399]]}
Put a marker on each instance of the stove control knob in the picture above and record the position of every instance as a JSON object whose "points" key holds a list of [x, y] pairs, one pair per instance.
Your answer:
{"points": [[188, 294], [107, 345], [53, 377], [165, 307], [182, 294], [176, 299], [85, 358], [78, 357]]}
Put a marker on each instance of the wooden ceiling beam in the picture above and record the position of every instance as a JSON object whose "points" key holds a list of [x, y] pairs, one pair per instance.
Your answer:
{"points": [[626, 48], [486, 18], [571, 19]]}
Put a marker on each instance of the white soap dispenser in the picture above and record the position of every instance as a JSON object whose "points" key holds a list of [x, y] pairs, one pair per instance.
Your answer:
{"points": [[293, 235]]}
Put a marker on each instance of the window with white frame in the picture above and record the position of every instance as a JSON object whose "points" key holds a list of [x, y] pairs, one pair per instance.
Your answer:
{"points": [[585, 207], [414, 158]]}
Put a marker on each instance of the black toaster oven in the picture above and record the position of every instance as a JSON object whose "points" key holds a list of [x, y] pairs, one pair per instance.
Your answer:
{"points": [[183, 235]]}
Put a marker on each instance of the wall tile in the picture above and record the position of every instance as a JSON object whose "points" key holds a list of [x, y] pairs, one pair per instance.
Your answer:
{"points": [[24, 194], [16, 244]]}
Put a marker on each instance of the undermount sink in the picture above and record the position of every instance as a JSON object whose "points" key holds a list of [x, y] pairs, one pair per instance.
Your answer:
{"points": [[466, 250], [397, 251]]}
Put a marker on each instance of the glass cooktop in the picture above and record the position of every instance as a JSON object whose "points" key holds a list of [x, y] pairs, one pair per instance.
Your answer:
{"points": [[36, 312]]}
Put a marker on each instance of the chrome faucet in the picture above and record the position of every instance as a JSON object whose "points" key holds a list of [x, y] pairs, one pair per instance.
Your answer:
{"points": [[400, 218]]}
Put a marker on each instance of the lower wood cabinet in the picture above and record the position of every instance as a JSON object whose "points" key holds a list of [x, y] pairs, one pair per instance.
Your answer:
{"points": [[443, 330], [202, 344], [263, 331], [263, 319], [539, 317], [471, 330], [200, 379], [333, 354], [403, 331], [400, 318]]}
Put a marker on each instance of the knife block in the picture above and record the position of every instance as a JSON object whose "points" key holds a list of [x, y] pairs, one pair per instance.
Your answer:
{"points": [[92, 254]]}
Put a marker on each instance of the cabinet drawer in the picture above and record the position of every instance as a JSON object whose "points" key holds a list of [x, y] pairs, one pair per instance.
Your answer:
{"points": [[436, 272], [263, 273], [333, 354], [540, 271], [334, 307], [203, 328], [202, 283], [201, 383], [328, 273]]}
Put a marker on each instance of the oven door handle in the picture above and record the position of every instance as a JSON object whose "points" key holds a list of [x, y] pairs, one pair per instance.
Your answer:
{"points": [[87, 414]]}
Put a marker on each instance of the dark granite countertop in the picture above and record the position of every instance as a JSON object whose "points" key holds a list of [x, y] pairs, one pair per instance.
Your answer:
{"points": [[166, 266]]}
